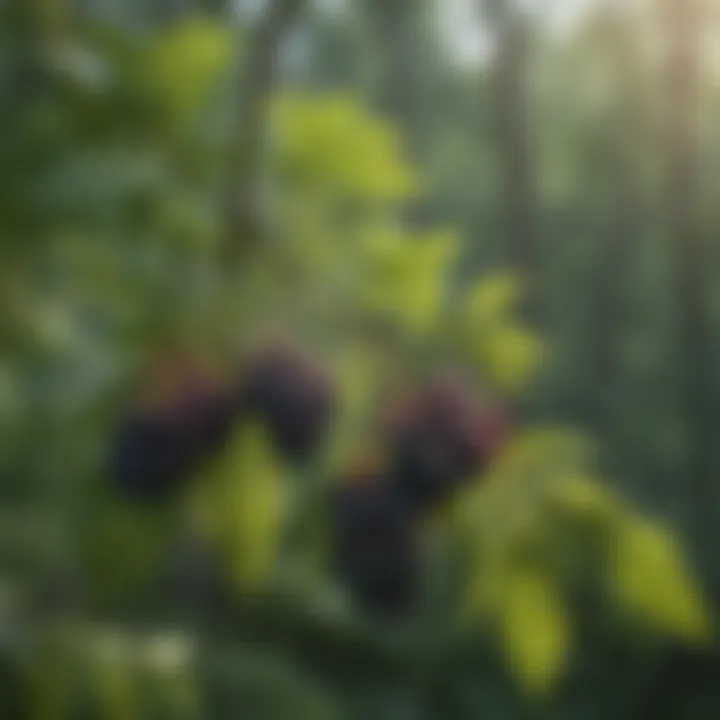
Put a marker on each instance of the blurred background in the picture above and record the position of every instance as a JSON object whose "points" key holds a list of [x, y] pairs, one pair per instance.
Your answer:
{"points": [[519, 191]]}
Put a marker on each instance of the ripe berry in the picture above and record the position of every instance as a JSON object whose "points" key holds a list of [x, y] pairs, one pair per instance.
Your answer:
{"points": [[157, 449], [374, 546], [292, 396], [442, 437]]}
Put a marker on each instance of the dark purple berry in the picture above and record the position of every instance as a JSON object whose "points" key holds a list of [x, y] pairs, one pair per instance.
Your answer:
{"points": [[157, 450], [292, 396], [374, 547], [442, 437]]}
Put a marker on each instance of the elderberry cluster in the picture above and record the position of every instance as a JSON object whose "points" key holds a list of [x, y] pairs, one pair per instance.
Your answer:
{"points": [[439, 439], [157, 449], [375, 553], [292, 396], [435, 441]]}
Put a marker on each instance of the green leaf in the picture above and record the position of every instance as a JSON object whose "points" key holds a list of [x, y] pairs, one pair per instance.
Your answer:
{"points": [[650, 578], [506, 514], [535, 631], [248, 507], [543, 454], [123, 546], [507, 352], [586, 499], [485, 591], [51, 689], [331, 143], [509, 356], [185, 61], [492, 300], [356, 379], [407, 276], [111, 666]]}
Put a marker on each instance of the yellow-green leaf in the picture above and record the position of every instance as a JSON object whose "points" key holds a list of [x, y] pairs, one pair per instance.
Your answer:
{"points": [[407, 276], [651, 579], [111, 662], [543, 454], [493, 300], [509, 356], [484, 593], [333, 144], [185, 61], [586, 499], [356, 386], [535, 631], [251, 508]]}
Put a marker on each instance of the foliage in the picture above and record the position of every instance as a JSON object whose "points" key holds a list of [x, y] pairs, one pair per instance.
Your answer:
{"points": [[113, 166], [245, 509], [541, 523]]}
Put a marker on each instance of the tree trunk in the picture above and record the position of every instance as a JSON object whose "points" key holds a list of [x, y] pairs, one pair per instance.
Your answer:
{"points": [[394, 27], [397, 32], [513, 140], [682, 21], [246, 220], [626, 217]]}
